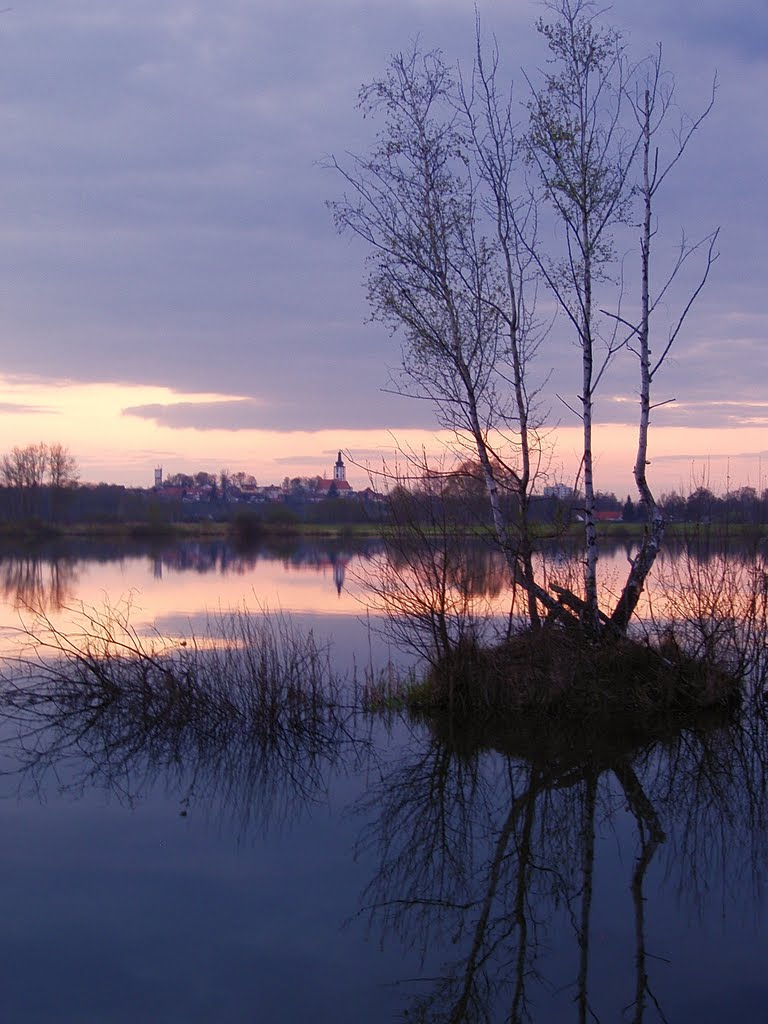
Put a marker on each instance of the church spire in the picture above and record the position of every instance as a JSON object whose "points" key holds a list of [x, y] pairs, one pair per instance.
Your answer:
{"points": [[339, 470]]}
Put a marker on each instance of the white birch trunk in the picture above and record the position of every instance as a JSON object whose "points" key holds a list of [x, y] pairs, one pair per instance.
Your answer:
{"points": [[653, 533]]}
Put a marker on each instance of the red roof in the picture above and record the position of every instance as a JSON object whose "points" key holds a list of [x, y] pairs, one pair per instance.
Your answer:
{"points": [[341, 485]]}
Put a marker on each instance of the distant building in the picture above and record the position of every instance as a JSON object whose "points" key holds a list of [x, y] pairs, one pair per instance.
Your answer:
{"points": [[172, 493], [370, 495], [606, 516], [242, 488], [560, 491], [339, 482], [271, 493]]}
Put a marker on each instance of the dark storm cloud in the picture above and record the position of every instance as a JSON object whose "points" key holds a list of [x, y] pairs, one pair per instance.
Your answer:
{"points": [[163, 201]]}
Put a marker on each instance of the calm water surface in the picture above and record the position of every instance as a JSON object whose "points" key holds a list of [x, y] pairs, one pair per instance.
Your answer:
{"points": [[392, 869]]}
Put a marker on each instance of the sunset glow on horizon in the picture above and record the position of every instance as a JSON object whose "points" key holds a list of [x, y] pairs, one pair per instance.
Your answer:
{"points": [[114, 446]]}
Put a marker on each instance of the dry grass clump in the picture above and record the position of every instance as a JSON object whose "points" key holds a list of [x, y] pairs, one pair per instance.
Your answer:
{"points": [[247, 717], [562, 673], [253, 674]]}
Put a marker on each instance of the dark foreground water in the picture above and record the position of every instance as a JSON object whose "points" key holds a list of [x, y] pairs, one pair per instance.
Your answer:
{"points": [[350, 870]]}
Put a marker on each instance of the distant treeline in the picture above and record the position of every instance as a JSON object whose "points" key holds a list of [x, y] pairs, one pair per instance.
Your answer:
{"points": [[743, 505], [456, 499], [114, 503]]}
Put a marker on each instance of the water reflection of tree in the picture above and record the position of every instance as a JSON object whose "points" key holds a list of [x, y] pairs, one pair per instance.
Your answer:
{"points": [[30, 580], [45, 576], [491, 839], [484, 848], [471, 567]]}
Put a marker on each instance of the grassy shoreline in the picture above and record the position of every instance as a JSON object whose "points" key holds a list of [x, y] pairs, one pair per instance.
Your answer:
{"points": [[37, 530], [30, 531]]}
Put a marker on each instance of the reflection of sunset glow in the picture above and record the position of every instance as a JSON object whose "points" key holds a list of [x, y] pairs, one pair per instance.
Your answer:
{"points": [[27, 581], [177, 601], [182, 592]]}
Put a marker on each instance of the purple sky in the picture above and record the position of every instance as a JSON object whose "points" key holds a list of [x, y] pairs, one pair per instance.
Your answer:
{"points": [[163, 219]]}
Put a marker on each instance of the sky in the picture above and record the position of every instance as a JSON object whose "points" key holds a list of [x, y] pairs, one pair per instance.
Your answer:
{"points": [[173, 291]]}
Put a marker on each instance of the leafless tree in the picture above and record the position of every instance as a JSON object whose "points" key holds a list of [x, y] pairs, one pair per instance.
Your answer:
{"points": [[62, 466], [583, 156], [38, 464], [455, 259], [26, 467], [651, 103], [497, 153], [453, 290]]}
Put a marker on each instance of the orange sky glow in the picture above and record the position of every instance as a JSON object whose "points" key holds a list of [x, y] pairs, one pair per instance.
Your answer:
{"points": [[116, 447]]}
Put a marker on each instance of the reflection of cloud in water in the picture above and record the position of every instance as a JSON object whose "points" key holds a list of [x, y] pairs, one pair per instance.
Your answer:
{"points": [[252, 721], [498, 840], [180, 582]]}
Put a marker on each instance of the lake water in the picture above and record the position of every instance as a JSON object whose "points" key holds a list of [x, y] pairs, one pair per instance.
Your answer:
{"points": [[376, 871]]}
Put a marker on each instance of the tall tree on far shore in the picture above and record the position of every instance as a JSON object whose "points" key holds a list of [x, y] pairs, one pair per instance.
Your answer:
{"points": [[39, 464], [62, 466], [39, 473]]}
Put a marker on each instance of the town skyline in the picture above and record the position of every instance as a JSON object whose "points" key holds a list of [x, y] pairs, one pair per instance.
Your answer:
{"points": [[680, 461]]}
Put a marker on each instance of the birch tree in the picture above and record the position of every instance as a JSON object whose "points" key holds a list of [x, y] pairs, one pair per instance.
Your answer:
{"points": [[651, 103], [450, 219], [582, 154], [593, 123], [496, 151]]}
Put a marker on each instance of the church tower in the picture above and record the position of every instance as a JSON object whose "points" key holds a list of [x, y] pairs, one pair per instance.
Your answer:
{"points": [[159, 476], [339, 470]]}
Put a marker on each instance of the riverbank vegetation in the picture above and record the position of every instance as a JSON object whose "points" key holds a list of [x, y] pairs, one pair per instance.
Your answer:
{"points": [[252, 695], [741, 515], [247, 532]]}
